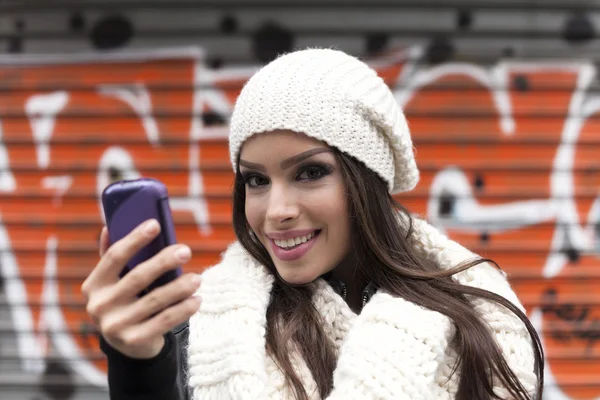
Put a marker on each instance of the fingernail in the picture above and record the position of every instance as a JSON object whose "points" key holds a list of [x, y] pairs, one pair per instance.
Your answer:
{"points": [[151, 227], [196, 279], [183, 253]]}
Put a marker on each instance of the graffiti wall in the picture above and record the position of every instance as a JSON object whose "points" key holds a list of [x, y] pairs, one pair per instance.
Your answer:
{"points": [[509, 161]]}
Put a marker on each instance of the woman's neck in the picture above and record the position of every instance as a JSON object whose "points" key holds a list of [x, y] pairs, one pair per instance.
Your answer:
{"points": [[348, 273]]}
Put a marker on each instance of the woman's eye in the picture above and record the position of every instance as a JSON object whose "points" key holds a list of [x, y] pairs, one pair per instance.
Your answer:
{"points": [[311, 173], [255, 181]]}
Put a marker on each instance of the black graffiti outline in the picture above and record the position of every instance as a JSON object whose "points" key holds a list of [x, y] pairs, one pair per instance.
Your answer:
{"points": [[580, 325]]}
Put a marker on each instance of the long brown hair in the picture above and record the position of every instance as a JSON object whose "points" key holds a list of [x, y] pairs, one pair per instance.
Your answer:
{"points": [[383, 243]]}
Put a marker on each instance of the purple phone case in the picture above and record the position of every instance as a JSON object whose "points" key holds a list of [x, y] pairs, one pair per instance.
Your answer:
{"points": [[127, 204]]}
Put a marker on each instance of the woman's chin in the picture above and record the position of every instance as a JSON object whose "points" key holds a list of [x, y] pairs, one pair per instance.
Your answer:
{"points": [[295, 279]]}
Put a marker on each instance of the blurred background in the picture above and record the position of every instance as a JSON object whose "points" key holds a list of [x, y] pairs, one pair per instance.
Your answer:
{"points": [[501, 96]]}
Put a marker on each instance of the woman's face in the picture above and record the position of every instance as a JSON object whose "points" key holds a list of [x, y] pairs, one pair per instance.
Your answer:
{"points": [[296, 203]]}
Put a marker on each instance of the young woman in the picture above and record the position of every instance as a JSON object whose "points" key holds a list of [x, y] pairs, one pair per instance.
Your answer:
{"points": [[333, 290]]}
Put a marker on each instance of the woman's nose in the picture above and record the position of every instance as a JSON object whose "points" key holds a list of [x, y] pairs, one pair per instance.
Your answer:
{"points": [[282, 205]]}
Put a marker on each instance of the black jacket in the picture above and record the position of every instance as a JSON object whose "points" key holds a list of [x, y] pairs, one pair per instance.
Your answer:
{"points": [[163, 377]]}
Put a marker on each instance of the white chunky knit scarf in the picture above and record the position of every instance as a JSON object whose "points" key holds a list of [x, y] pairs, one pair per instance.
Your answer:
{"points": [[393, 350]]}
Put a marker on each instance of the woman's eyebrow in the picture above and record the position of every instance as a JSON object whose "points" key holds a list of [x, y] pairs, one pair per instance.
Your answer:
{"points": [[248, 164], [288, 162]]}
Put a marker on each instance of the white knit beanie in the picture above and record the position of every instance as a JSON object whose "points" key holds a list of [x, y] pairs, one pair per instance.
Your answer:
{"points": [[333, 97]]}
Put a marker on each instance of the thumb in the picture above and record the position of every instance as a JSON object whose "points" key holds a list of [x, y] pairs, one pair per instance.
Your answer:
{"points": [[103, 241]]}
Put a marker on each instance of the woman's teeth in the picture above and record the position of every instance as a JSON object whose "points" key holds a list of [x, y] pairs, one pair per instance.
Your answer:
{"points": [[289, 243]]}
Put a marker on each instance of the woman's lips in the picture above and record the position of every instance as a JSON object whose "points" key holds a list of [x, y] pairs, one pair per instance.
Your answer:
{"points": [[295, 252]]}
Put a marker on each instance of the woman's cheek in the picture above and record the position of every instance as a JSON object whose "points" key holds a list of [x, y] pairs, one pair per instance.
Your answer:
{"points": [[253, 213]]}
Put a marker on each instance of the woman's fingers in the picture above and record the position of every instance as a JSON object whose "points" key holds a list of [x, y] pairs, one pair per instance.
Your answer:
{"points": [[163, 322], [116, 256], [161, 298], [140, 277]]}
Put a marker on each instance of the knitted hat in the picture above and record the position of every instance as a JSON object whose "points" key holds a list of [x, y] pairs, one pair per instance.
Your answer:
{"points": [[333, 97]]}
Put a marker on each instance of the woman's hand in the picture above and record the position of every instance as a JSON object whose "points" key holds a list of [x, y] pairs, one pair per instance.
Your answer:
{"points": [[136, 326]]}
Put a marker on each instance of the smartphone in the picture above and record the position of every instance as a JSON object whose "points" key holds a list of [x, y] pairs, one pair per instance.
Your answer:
{"points": [[128, 203]]}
